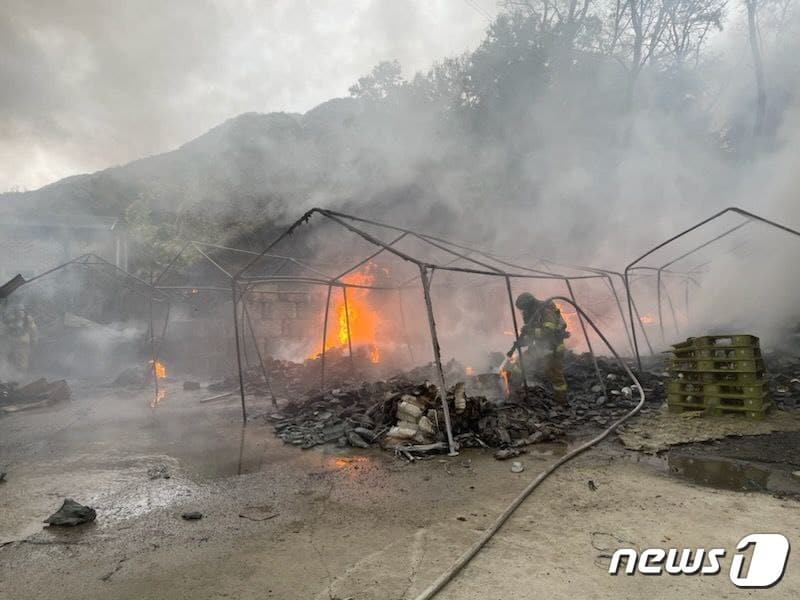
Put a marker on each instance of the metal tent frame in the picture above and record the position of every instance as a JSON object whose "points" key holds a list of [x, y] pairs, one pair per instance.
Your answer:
{"points": [[243, 320], [128, 280], [474, 262], [91, 260], [749, 217]]}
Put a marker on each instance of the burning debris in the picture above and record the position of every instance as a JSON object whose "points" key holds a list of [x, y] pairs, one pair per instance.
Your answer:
{"points": [[355, 322], [152, 373], [159, 372], [140, 375], [289, 379], [405, 415]]}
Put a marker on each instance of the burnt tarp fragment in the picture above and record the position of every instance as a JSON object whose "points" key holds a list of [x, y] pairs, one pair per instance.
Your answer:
{"points": [[71, 514]]}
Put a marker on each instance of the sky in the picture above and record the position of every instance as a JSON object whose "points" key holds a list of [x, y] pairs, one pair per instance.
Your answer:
{"points": [[89, 84]]}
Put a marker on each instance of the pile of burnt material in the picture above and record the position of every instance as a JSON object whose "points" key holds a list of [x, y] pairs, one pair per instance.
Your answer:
{"points": [[288, 379], [586, 389], [783, 378], [403, 414], [39, 394]]}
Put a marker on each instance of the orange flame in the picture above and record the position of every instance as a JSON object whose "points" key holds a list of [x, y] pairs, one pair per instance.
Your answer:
{"points": [[357, 325], [158, 398], [468, 371], [504, 380], [647, 319], [346, 461], [159, 369], [571, 319], [374, 355], [160, 372]]}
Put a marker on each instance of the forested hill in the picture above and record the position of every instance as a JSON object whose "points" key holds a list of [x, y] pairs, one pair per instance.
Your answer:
{"points": [[566, 114]]}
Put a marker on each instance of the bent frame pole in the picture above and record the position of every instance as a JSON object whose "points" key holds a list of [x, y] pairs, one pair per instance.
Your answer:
{"points": [[586, 337], [246, 315], [238, 348], [516, 336], [423, 273], [325, 338]]}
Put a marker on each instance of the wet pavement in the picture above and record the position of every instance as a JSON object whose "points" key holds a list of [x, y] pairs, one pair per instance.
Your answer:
{"points": [[762, 463], [321, 523], [99, 449], [102, 448], [758, 463]]}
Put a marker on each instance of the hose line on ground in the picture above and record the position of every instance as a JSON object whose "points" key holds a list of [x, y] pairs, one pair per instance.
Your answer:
{"points": [[467, 556]]}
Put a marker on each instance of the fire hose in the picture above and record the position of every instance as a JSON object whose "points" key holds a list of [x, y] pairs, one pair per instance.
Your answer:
{"points": [[462, 561]]}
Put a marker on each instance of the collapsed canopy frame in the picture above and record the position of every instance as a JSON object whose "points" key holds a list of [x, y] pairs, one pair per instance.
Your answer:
{"points": [[92, 261], [129, 281], [473, 261], [665, 267], [243, 321]]}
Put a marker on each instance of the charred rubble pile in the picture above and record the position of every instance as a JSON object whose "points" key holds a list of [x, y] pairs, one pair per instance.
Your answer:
{"points": [[586, 392], [294, 379], [783, 375], [38, 394], [403, 414], [399, 413]]}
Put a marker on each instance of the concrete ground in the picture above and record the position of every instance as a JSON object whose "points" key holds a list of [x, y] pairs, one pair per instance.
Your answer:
{"points": [[334, 524]]}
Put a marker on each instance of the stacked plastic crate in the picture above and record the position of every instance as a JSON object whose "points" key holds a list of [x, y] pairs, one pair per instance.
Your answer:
{"points": [[719, 374]]}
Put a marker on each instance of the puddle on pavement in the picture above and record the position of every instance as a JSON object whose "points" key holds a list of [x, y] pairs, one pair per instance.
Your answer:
{"points": [[238, 451], [722, 472], [251, 449]]}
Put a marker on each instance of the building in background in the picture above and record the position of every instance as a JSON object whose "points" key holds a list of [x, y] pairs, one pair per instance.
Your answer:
{"points": [[32, 244]]}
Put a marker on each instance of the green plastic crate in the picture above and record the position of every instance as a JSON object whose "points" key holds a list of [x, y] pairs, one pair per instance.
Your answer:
{"points": [[730, 377], [732, 390], [721, 341], [679, 408], [692, 400], [708, 365], [757, 414], [738, 402], [684, 387], [718, 353], [733, 378], [718, 341]]}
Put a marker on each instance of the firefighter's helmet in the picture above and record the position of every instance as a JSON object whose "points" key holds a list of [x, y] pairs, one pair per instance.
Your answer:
{"points": [[524, 300]]}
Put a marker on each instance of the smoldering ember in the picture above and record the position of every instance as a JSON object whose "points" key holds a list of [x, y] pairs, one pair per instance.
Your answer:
{"points": [[521, 305]]}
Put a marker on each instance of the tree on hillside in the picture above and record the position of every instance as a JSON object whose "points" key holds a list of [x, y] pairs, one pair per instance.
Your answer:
{"points": [[444, 83], [510, 67], [754, 37], [570, 24], [688, 25], [385, 79]]}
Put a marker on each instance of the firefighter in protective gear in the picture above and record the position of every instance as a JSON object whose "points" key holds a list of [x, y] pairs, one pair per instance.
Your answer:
{"points": [[19, 336], [543, 333]]}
